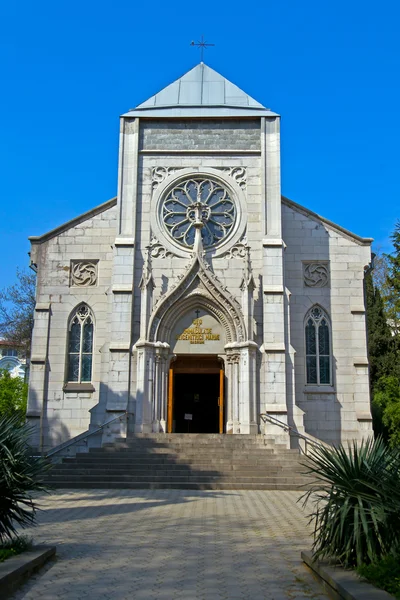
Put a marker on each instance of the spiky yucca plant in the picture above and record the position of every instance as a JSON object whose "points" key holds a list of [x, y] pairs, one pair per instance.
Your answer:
{"points": [[20, 475], [356, 498]]}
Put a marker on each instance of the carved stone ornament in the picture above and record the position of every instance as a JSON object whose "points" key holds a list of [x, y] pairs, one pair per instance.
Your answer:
{"points": [[84, 273], [200, 283], [158, 174], [157, 250], [239, 174], [239, 250], [316, 274]]}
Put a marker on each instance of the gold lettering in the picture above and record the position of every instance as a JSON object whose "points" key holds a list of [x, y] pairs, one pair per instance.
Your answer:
{"points": [[197, 334]]}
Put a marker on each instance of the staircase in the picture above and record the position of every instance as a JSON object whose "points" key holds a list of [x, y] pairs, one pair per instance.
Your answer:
{"points": [[184, 461]]}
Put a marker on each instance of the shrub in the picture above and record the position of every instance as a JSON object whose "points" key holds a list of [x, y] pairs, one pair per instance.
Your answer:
{"points": [[13, 395], [14, 546], [20, 475], [384, 574], [356, 497]]}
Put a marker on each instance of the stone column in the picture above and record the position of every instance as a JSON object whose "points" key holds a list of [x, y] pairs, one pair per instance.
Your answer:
{"points": [[151, 392], [38, 376], [274, 347], [361, 388], [144, 387], [118, 392], [232, 395], [160, 386], [248, 414]]}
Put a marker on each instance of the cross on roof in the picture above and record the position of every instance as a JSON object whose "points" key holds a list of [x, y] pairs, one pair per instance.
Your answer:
{"points": [[201, 44]]}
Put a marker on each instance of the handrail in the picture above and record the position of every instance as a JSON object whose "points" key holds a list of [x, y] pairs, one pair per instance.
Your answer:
{"points": [[288, 428], [85, 436]]}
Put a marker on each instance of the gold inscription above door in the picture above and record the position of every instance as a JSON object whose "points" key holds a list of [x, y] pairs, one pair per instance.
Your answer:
{"points": [[198, 333]]}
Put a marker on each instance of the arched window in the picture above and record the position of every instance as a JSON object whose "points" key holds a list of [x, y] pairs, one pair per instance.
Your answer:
{"points": [[318, 348], [80, 345]]}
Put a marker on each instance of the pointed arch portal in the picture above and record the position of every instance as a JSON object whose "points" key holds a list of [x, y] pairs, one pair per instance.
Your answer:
{"points": [[197, 316]]}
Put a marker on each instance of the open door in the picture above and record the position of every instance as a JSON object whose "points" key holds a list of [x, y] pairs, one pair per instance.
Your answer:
{"points": [[170, 403], [221, 400]]}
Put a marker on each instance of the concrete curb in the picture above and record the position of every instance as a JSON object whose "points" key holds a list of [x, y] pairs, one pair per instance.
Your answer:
{"points": [[15, 570], [341, 584]]}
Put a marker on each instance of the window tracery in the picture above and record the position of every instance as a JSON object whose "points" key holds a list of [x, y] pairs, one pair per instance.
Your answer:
{"points": [[318, 348], [218, 212], [80, 345]]}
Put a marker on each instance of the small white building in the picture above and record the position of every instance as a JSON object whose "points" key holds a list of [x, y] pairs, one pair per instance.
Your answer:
{"points": [[12, 359], [200, 297]]}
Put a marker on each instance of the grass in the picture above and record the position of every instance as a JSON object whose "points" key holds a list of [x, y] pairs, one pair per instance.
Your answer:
{"points": [[384, 574], [14, 546]]}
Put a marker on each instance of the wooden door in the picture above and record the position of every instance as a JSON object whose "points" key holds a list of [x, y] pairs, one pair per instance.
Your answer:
{"points": [[170, 402], [221, 400]]}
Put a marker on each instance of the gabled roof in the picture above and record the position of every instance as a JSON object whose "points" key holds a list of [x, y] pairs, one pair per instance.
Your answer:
{"points": [[312, 215], [200, 92], [39, 239]]}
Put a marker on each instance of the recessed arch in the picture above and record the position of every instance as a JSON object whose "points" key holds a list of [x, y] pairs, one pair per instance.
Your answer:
{"points": [[173, 314]]}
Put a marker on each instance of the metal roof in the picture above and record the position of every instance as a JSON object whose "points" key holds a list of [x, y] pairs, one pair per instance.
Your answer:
{"points": [[200, 92]]}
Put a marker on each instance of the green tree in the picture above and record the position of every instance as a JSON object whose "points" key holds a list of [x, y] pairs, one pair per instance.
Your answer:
{"points": [[17, 304], [386, 403], [381, 348], [393, 283], [13, 395]]}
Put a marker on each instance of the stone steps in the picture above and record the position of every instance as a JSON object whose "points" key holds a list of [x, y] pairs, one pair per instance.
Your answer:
{"points": [[168, 485], [187, 461]]}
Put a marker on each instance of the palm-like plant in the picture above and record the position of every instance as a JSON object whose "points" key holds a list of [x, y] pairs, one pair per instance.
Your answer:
{"points": [[356, 497], [20, 475]]}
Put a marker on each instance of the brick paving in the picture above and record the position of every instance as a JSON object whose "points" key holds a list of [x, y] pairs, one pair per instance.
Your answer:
{"points": [[167, 544]]}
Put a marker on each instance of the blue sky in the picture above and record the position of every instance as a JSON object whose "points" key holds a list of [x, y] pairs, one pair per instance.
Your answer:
{"points": [[69, 69]]}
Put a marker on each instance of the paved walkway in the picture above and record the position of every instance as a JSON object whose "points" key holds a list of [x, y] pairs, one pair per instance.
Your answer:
{"points": [[167, 544]]}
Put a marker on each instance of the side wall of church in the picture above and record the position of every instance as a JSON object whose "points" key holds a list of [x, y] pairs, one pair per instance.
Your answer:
{"points": [[68, 413], [341, 411]]}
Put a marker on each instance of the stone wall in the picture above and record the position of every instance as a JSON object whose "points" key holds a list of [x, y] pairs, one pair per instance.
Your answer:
{"points": [[68, 413], [340, 411], [200, 135]]}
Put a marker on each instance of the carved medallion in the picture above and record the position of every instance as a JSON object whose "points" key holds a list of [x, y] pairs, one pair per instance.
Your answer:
{"points": [[316, 274], [83, 273]]}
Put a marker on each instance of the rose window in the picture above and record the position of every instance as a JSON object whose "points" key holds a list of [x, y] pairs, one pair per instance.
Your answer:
{"points": [[186, 200]]}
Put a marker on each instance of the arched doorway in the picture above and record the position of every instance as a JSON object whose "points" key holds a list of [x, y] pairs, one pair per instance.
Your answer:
{"points": [[196, 395]]}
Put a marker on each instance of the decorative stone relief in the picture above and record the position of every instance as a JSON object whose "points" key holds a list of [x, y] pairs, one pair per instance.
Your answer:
{"points": [[158, 174], [239, 174], [316, 274], [157, 250], [239, 250], [83, 273], [199, 280]]}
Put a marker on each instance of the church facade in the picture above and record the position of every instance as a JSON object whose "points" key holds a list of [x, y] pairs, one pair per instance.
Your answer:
{"points": [[200, 297]]}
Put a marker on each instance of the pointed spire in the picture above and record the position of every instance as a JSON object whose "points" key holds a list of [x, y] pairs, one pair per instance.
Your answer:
{"points": [[247, 279], [201, 91], [147, 277]]}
